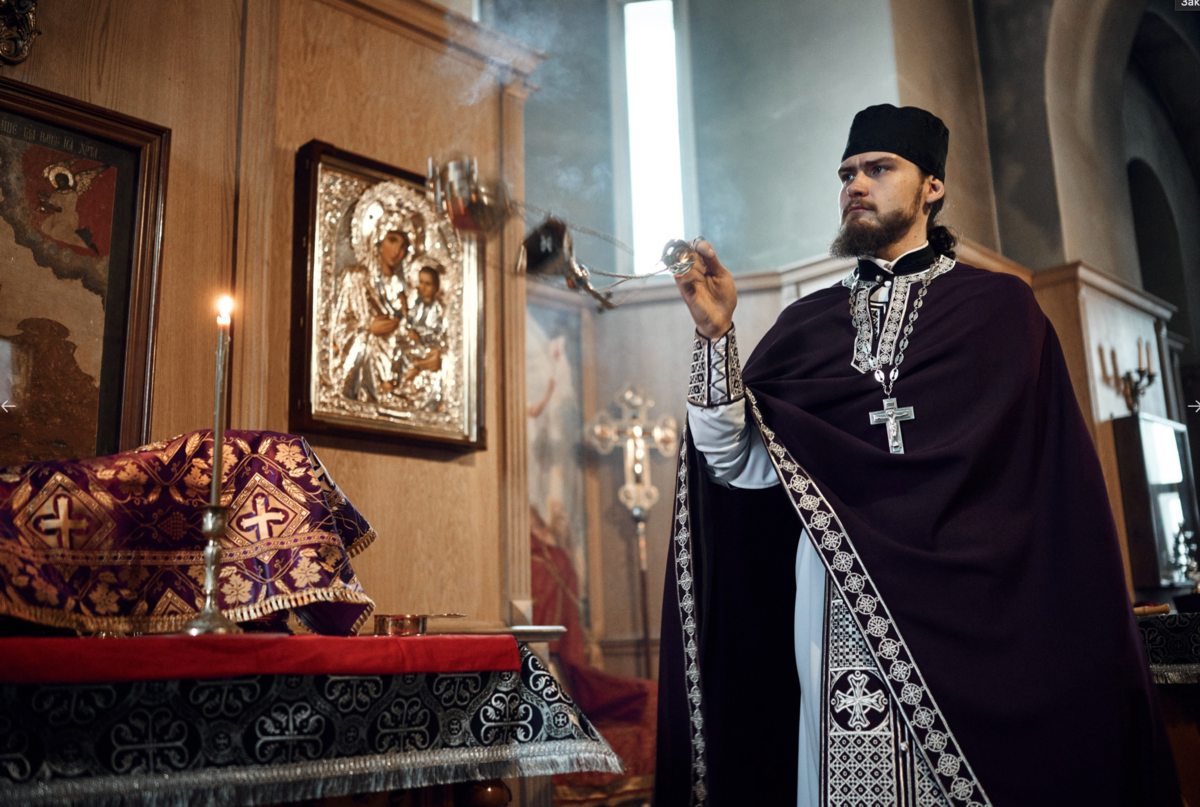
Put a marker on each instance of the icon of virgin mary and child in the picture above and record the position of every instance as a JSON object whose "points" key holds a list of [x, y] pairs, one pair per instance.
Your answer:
{"points": [[388, 330]]}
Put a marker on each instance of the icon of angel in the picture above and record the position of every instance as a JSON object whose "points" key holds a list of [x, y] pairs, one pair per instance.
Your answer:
{"points": [[63, 222]]}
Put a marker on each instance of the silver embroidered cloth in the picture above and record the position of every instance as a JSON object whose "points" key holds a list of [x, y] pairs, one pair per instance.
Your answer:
{"points": [[270, 739], [716, 374]]}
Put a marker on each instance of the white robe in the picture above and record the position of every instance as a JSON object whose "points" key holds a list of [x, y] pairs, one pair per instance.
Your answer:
{"points": [[735, 456]]}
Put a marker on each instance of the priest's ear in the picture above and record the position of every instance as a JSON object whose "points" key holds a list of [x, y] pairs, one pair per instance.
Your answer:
{"points": [[935, 189]]}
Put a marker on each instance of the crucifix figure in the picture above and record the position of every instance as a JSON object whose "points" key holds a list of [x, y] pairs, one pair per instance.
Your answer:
{"points": [[891, 416], [638, 493]]}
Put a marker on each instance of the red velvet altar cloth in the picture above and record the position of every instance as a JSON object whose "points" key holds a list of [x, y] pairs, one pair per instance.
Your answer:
{"points": [[70, 660]]}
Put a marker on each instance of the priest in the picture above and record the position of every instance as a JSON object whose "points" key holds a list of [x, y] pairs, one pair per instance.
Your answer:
{"points": [[894, 576]]}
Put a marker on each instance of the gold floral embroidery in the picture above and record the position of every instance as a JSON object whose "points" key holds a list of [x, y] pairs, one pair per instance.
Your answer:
{"points": [[288, 455], [11, 563], [237, 589], [104, 599], [196, 480], [131, 470], [132, 479], [44, 591], [331, 557], [229, 461], [101, 495], [133, 576], [305, 572], [22, 496]]}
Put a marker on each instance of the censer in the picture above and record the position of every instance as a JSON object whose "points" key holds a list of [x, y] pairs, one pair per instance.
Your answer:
{"points": [[473, 204], [548, 251]]}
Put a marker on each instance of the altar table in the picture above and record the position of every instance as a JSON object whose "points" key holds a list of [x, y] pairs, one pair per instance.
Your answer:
{"points": [[1173, 647], [164, 721]]}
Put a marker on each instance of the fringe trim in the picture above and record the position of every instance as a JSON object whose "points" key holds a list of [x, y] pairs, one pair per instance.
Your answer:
{"points": [[614, 793], [82, 623], [363, 541], [362, 619], [1175, 673], [272, 784]]}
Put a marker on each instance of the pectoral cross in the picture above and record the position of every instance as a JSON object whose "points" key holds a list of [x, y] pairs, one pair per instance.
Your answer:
{"points": [[891, 416]]}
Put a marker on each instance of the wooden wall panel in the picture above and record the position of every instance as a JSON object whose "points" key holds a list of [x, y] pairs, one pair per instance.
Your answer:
{"points": [[174, 64], [396, 80], [370, 85]]}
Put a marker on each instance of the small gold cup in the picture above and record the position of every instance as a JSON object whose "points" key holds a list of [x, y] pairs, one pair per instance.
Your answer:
{"points": [[407, 624]]}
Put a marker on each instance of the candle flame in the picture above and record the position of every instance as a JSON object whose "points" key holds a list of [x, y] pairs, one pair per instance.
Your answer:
{"points": [[224, 309]]}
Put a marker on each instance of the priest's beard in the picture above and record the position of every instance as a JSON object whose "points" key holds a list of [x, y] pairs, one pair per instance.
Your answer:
{"points": [[860, 238]]}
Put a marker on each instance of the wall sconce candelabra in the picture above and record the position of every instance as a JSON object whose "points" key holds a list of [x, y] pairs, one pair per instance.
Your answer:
{"points": [[1135, 384], [638, 493]]}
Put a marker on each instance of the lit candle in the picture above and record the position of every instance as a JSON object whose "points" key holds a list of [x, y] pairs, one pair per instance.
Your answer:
{"points": [[1149, 361], [1141, 360], [224, 309]]}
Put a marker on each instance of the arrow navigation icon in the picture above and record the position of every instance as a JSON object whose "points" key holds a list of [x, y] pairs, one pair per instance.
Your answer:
{"points": [[6, 406]]}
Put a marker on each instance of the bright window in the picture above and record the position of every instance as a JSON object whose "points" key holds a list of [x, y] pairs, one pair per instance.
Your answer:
{"points": [[652, 91]]}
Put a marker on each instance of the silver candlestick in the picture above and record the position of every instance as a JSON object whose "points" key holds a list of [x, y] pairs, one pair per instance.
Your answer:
{"points": [[214, 517], [210, 619]]}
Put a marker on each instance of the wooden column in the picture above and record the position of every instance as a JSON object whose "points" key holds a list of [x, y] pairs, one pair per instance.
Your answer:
{"points": [[1098, 319], [514, 483]]}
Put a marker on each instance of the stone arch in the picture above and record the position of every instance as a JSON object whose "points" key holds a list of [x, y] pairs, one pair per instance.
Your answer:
{"points": [[1162, 133], [1160, 251], [1172, 67]]}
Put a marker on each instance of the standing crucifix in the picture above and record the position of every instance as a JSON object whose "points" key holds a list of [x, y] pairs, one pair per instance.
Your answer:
{"points": [[891, 416], [638, 493]]}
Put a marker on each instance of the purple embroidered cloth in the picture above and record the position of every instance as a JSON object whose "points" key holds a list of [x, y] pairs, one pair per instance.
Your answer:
{"points": [[114, 544]]}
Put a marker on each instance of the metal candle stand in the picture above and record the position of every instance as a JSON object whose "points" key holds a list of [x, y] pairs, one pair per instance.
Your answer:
{"points": [[213, 520], [1134, 386], [638, 493], [1135, 383]]}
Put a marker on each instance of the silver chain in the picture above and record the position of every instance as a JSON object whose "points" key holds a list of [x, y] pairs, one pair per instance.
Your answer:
{"points": [[888, 381], [621, 245]]}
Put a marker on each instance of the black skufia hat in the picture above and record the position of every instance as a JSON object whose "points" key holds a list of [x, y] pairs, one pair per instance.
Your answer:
{"points": [[909, 132]]}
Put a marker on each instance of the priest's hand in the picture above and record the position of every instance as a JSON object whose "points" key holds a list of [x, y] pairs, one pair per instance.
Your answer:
{"points": [[708, 290]]}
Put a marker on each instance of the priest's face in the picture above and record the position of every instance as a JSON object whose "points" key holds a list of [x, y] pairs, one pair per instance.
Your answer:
{"points": [[884, 198]]}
